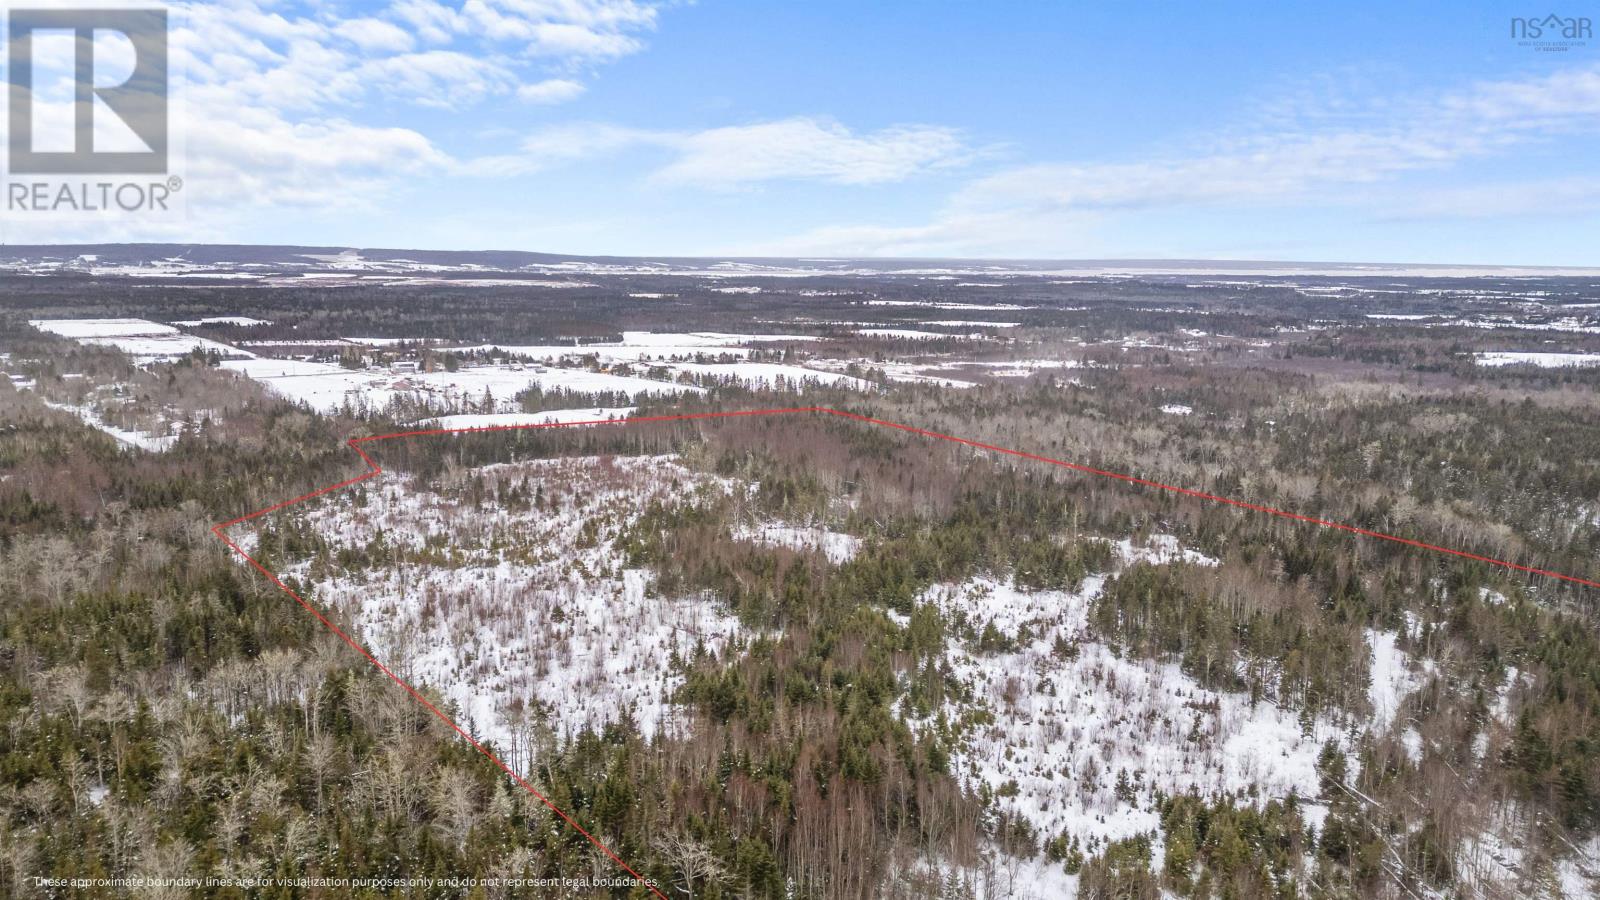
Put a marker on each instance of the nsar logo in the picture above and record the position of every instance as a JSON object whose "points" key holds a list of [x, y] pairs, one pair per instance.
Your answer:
{"points": [[1552, 32]]}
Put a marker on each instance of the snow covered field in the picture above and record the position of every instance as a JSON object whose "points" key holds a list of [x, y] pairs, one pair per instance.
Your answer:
{"points": [[239, 321], [78, 329], [525, 618], [139, 439], [770, 375], [900, 372], [1071, 719], [968, 307], [835, 546], [913, 334], [141, 339], [1542, 360], [549, 417], [638, 346], [328, 388]]}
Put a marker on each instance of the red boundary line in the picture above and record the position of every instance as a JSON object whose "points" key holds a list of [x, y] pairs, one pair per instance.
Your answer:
{"points": [[374, 470]]}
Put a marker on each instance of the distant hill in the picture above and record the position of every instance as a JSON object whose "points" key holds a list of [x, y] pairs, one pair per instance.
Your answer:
{"points": [[198, 259]]}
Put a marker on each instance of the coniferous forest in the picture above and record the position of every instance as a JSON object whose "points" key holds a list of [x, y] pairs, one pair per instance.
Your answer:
{"points": [[800, 655]]}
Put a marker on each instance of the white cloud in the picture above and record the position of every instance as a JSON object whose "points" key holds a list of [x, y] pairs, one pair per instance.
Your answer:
{"points": [[376, 35], [1294, 164], [564, 39], [438, 78], [432, 21], [270, 97], [811, 149], [796, 149], [952, 234], [478, 48], [1287, 166], [257, 158], [1541, 198], [551, 90]]}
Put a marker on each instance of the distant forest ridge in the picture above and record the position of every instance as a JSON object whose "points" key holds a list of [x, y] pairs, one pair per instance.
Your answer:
{"points": [[334, 258]]}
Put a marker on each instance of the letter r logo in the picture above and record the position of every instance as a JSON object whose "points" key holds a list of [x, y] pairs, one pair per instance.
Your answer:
{"points": [[140, 101]]}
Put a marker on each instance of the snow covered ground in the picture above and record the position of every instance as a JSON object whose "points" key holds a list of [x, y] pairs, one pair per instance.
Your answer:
{"points": [[1394, 676], [1070, 718], [240, 321], [915, 335], [997, 877], [637, 346], [328, 388], [548, 417], [770, 375], [968, 307], [837, 547], [899, 372], [1542, 360], [522, 615], [77, 329], [1158, 549], [139, 439], [141, 339]]}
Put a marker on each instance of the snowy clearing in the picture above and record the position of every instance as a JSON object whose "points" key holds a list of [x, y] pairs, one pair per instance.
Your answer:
{"points": [[914, 335], [329, 388], [1394, 677], [139, 439], [1542, 360], [836, 546], [549, 417], [930, 304], [770, 375], [1071, 719], [531, 624], [88, 328], [141, 339], [637, 346], [240, 321], [1159, 549]]}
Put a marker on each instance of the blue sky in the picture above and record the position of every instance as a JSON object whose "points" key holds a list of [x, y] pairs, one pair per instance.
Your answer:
{"points": [[1419, 132]]}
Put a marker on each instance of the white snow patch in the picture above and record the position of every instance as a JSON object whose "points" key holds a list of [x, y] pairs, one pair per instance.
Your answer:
{"points": [[526, 616], [88, 328], [328, 388], [1394, 676], [550, 417], [771, 375], [1542, 360], [913, 334], [139, 439], [1158, 550], [142, 339], [836, 546], [1069, 715], [640, 346], [240, 321]]}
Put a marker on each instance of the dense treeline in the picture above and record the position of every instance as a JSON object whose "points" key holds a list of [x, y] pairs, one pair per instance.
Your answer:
{"points": [[164, 710]]}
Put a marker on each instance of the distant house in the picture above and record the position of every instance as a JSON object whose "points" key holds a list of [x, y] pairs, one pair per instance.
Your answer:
{"points": [[405, 366]]}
